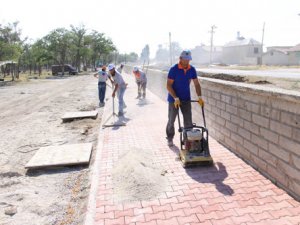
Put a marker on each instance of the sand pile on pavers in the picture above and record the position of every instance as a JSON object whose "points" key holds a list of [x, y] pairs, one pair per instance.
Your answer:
{"points": [[136, 177]]}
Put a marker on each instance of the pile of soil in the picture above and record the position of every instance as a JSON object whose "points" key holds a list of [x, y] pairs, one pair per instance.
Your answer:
{"points": [[136, 177]]}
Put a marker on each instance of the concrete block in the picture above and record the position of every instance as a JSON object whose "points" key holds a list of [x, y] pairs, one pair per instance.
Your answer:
{"points": [[244, 133], [251, 147], [242, 152], [261, 121], [295, 161], [269, 135], [265, 111], [63, 155], [226, 99], [230, 143], [281, 128], [266, 156], [288, 170], [244, 114], [216, 95], [290, 119], [279, 152], [225, 115], [251, 127], [236, 120], [212, 101], [260, 163], [275, 114], [296, 134], [295, 187], [221, 105], [252, 107], [237, 138], [289, 145], [278, 175], [234, 101], [231, 126], [220, 121], [231, 109], [259, 141]]}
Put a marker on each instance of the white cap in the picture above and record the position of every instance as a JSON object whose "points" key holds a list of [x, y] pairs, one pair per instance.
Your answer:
{"points": [[135, 69], [111, 66]]}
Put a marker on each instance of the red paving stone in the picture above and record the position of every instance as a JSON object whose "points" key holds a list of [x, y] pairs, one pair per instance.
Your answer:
{"points": [[230, 192]]}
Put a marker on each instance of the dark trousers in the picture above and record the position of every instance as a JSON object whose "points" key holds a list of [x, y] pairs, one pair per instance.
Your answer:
{"points": [[101, 91], [186, 110]]}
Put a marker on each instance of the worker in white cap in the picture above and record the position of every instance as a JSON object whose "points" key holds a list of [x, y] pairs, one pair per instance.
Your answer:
{"points": [[102, 78], [141, 81], [119, 87], [120, 69]]}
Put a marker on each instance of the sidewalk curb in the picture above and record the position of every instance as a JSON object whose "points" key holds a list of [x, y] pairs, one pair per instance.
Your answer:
{"points": [[92, 199]]}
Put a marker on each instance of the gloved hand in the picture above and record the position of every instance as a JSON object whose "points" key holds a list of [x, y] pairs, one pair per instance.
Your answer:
{"points": [[177, 103], [200, 101]]}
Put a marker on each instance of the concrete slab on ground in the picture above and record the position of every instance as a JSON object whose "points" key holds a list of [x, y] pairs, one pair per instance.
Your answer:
{"points": [[64, 155], [68, 116]]}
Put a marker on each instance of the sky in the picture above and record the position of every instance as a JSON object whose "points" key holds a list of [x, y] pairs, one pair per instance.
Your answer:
{"points": [[131, 24]]}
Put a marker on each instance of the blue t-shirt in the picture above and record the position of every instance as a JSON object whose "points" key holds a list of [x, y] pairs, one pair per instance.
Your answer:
{"points": [[182, 79]]}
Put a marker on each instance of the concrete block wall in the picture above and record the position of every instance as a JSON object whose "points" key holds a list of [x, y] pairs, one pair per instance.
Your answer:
{"points": [[260, 124]]}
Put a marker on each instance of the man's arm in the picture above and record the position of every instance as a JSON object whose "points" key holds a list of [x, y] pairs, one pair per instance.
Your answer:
{"points": [[170, 88], [115, 90], [96, 75], [197, 87]]}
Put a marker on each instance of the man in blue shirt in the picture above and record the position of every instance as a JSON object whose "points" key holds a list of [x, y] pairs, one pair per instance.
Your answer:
{"points": [[178, 86]]}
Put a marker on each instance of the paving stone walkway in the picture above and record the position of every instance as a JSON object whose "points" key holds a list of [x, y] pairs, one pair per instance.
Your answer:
{"points": [[230, 192]]}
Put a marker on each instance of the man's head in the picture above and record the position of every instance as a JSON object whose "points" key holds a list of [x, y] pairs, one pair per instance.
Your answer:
{"points": [[135, 69], [111, 69], [185, 58], [103, 68]]}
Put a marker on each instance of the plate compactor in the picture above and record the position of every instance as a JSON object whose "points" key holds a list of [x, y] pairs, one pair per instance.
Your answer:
{"points": [[194, 148]]}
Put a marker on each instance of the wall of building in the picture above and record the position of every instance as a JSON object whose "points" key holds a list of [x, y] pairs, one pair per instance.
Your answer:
{"points": [[277, 58], [242, 55]]}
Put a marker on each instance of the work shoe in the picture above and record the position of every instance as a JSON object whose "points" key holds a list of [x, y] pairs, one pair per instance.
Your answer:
{"points": [[170, 143]]}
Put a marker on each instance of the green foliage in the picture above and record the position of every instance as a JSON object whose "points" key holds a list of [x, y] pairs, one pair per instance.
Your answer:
{"points": [[74, 46]]}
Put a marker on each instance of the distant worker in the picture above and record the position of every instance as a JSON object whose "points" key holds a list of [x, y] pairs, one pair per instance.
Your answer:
{"points": [[141, 81], [102, 78], [119, 87], [178, 86], [120, 69]]}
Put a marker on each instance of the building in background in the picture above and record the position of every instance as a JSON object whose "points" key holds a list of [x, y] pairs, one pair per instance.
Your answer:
{"points": [[276, 56], [201, 54], [242, 51], [294, 55], [282, 56]]}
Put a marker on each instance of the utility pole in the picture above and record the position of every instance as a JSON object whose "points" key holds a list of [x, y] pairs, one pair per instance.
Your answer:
{"points": [[170, 43], [262, 44], [211, 42]]}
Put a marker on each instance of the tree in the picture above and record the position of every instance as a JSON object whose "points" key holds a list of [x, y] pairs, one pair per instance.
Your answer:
{"points": [[78, 34], [58, 44], [10, 45], [145, 55]]}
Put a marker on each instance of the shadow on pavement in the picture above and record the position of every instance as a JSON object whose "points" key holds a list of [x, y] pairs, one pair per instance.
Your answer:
{"points": [[215, 174]]}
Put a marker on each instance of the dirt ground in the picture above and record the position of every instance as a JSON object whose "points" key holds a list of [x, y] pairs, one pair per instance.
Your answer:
{"points": [[273, 82], [30, 117]]}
